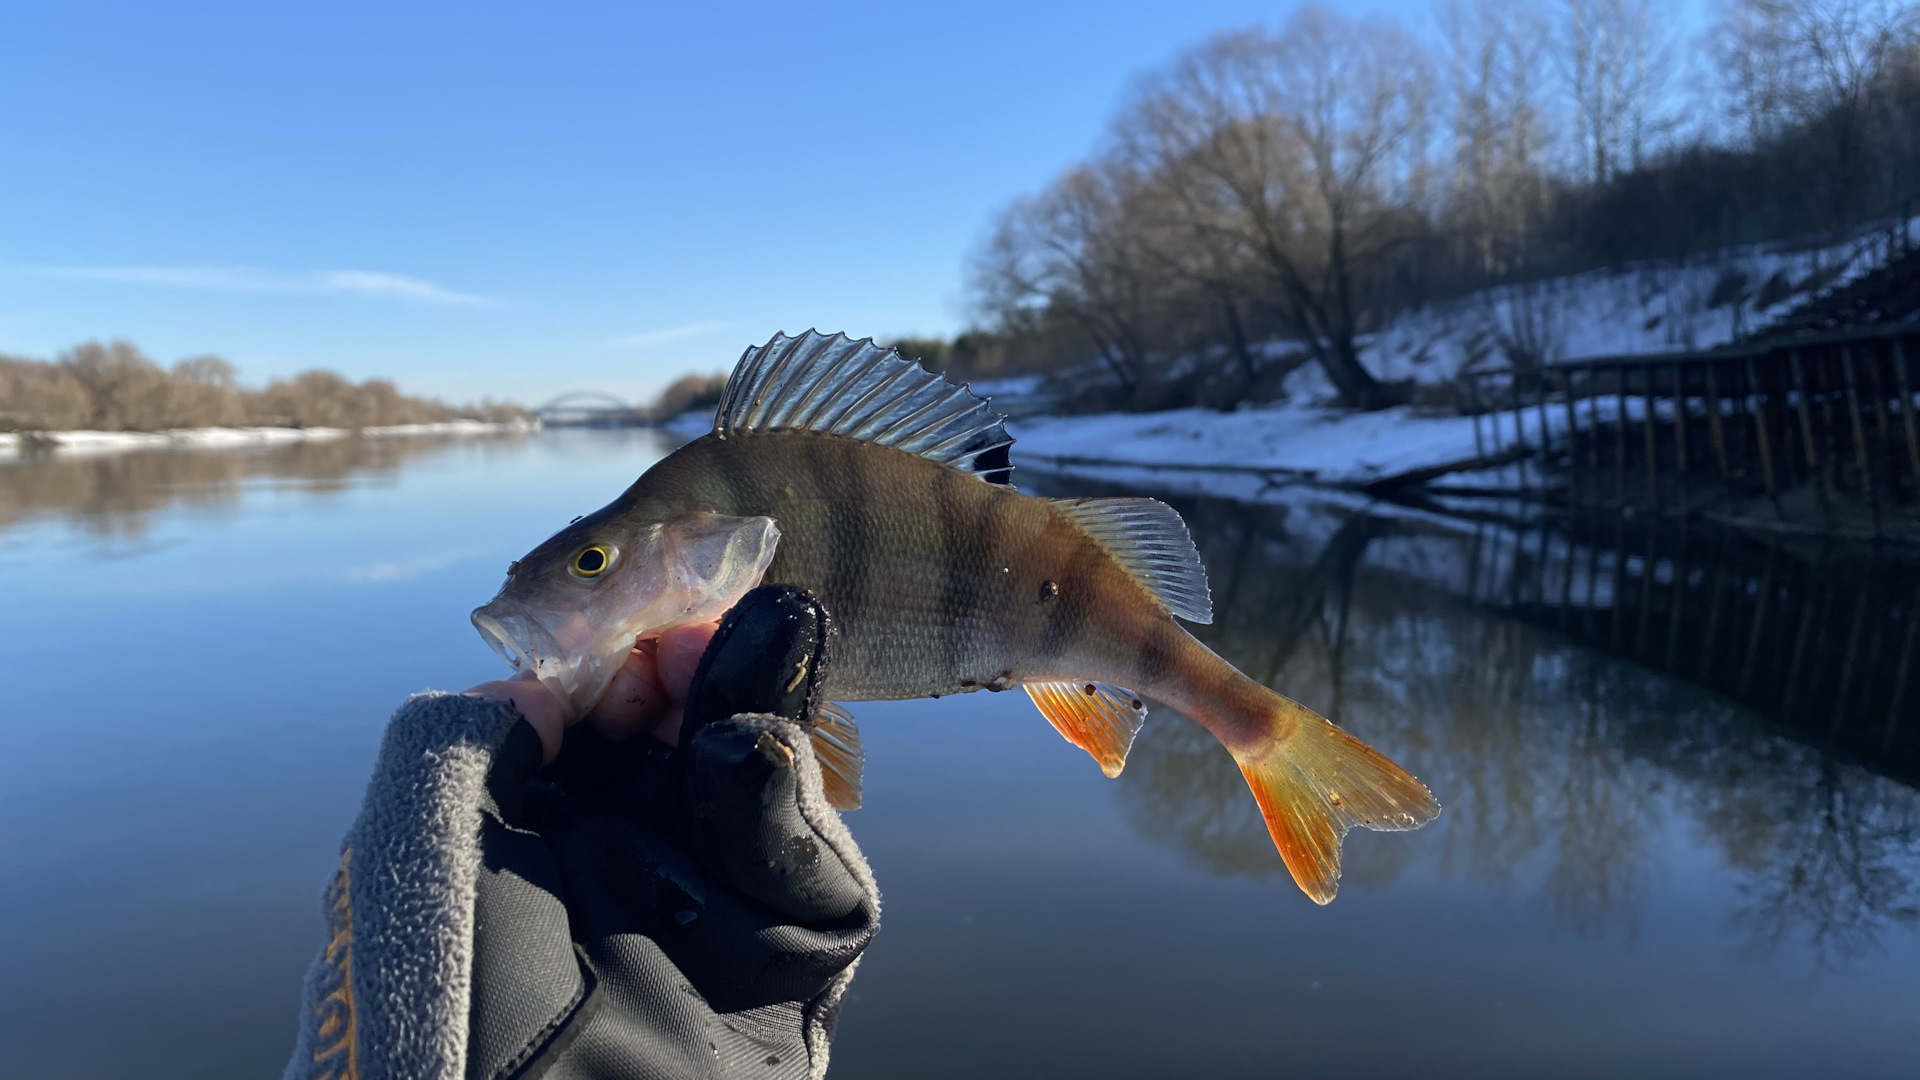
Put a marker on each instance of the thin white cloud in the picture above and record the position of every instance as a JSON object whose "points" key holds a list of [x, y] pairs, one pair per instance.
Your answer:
{"points": [[671, 333], [255, 279]]}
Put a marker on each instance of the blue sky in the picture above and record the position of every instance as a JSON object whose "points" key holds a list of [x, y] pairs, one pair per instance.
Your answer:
{"points": [[514, 201]]}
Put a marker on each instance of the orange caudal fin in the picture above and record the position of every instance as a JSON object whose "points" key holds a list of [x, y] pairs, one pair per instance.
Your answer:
{"points": [[1314, 781]]}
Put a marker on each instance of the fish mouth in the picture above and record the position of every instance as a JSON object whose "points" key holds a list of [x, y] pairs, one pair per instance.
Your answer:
{"points": [[518, 636], [559, 649]]}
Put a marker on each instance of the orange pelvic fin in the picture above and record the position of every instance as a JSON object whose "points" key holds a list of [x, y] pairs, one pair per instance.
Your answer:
{"points": [[1314, 781], [836, 745], [1097, 717]]}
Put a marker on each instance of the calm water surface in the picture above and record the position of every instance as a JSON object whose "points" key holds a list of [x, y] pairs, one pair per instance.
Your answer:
{"points": [[1682, 832]]}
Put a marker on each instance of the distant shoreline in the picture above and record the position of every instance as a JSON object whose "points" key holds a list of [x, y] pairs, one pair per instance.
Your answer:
{"points": [[74, 443]]}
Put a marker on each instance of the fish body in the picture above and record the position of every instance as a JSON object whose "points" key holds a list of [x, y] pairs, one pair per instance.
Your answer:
{"points": [[939, 583], [876, 478]]}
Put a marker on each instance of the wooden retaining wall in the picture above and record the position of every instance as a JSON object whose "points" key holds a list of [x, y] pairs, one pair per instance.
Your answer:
{"points": [[1814, 434]]}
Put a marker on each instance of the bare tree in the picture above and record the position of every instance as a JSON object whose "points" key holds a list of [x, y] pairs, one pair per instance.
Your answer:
{"points": [[1301, 155], [1817, 65], [1493, 51], [1617, 57], [1752, 55], [126, 389], [203, 391], [1074, 251], [38, 396]]}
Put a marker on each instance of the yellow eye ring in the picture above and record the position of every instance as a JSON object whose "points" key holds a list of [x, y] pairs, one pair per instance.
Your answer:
{"points": [[591, 561]]}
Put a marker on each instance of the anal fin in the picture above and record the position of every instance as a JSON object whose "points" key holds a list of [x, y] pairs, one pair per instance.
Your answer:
{"points": [[1097, 717], [836, 745]]}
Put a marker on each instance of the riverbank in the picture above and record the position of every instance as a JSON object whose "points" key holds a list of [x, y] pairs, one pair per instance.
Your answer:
{"points": [[217, 438], [1263, 446]]}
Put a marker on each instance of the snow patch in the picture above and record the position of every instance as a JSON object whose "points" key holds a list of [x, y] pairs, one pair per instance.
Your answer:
{"points": [[79, 443], [1305, 442]]}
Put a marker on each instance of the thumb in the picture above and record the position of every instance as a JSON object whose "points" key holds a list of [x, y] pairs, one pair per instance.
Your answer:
{"points": [[760, 822]]}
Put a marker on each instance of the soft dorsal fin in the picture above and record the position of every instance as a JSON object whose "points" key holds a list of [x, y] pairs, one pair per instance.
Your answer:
{"points": [[1097, 717], [1151, 541], [836, 745], [838, 386]]}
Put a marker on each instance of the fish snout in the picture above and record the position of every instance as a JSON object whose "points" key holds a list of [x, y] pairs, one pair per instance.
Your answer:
{"points": [[519, 637]]}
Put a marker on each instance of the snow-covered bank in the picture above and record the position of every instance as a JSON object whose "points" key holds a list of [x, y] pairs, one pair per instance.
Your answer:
{"points": [[1301, 442], [1619, 311], [1308, 438], [109, 442]]}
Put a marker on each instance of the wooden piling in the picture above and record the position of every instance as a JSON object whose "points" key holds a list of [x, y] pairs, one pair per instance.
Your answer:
{"points": [[1620, 443], [1830, 431], [1906, 664], [1814, 465], [1653, 454], [1759, 410], [1680, 434], [1717, 435], [1593, 435], [1878, 388], [1906, 413], [1859, 439], [1573, 432]]}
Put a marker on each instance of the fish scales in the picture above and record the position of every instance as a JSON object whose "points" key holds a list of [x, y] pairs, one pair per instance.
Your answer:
{"points": [[935, 579], [838, 467]]}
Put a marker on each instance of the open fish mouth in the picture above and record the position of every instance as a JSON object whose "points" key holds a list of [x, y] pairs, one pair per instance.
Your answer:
{"points": [[515, 635], [524, 642]]}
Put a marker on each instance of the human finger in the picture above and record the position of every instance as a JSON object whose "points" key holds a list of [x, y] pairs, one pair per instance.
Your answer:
{"points": [[537, 705]]}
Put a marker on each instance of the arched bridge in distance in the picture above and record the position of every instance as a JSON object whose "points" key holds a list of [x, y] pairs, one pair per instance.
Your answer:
{"points": [[590, 408]]}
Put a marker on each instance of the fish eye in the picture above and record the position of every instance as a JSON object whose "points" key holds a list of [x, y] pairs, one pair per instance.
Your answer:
{"points": [[591, 561]]}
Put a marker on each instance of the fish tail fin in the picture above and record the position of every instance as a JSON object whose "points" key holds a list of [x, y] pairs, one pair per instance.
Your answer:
{"points": [[1314, 781]]}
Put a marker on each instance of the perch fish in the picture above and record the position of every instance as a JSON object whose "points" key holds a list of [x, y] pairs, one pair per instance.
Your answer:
{"points": [[837, 466]]}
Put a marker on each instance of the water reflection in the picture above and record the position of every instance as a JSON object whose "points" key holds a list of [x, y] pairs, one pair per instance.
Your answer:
{"points": [[1574, 697], [1579, 695], [113, 495]]}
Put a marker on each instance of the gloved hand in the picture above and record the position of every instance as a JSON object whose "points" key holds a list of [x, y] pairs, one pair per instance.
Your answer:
{"points": [[636, 910]]}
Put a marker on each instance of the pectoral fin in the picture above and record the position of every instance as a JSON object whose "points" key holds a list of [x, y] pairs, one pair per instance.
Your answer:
{"points": [[836, 744], [1096, 717]]}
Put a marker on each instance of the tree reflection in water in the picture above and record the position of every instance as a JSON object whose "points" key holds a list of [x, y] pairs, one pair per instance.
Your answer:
{"points": [[1483, 661], [1575, 697], [113, 495]]}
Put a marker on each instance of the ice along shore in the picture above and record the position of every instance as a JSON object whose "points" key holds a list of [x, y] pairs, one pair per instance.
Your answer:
{"points": [[67, 443]]}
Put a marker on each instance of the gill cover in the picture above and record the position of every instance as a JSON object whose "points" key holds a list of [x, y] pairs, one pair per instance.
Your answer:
{"points": [[573, 636]]}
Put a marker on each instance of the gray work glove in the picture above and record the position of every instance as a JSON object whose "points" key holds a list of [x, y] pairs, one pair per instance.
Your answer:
{"points": [[634, 911]]}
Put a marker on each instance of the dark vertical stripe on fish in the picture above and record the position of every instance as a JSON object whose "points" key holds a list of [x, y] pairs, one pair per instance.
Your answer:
{"points": [[850, 534], [953, 584], [1067, 618], [1157, 651], [992, 577], [735, 472]]}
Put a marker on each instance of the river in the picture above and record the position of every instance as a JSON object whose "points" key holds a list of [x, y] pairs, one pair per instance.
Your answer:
{"points": [[1681, 837]]}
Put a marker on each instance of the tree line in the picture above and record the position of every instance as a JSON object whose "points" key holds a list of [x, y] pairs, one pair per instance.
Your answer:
{"points": [[1307, 183], [115, 387]]}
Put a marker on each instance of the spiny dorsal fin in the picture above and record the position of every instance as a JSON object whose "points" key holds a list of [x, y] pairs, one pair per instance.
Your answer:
{"points": [[1151, 541], [836, 745], [1097, 717], [839, 386]]}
